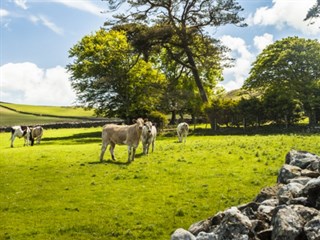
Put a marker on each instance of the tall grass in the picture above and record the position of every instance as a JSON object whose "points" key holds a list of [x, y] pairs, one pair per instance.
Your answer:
{"points": [[59, 190]]}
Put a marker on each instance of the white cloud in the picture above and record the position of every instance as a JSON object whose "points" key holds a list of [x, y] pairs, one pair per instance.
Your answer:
{"points": [[21, 3], [260, 42], [28, 84], [46, 22], [3, 13], [236, 75], [284, 13], [86, 6]]}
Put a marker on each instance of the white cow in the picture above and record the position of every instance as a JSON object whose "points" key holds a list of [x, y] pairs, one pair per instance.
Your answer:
{"points": [[20, 131], [119, 134], [148, 136], [36, 134], [182, 131]]}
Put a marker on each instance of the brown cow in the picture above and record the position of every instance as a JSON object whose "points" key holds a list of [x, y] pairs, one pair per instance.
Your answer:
{"points": [[119, 134], [36, 134]]}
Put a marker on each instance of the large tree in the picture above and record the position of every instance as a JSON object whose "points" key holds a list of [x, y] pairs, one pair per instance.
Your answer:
{"points": [[110, 77], [290, 65], [186, 20]]}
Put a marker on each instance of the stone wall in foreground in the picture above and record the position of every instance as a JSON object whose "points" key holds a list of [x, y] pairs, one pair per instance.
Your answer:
{"points": [[290, 210]]}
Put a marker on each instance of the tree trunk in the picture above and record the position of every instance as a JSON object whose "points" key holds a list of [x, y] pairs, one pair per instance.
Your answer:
{"points": [[312, 118], [196, 76], [173, 119], [199, 84]]}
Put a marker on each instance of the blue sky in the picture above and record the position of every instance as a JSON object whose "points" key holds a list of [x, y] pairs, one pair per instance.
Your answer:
{"points": [[37, 34]]}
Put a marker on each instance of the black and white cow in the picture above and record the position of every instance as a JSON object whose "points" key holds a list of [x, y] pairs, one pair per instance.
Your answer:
{"points": [[20, 131]]}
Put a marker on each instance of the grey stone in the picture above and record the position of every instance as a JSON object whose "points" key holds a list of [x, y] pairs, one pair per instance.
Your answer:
{"points": [[182, 234]]}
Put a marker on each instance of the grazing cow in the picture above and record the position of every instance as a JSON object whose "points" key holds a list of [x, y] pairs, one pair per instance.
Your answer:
{"points": [[148, 136], [36, 134], [20, 131], [118, 134], [182, 131]]}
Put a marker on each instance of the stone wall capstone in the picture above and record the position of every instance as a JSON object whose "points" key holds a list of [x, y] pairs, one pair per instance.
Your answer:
{"points": [[290, 210]]}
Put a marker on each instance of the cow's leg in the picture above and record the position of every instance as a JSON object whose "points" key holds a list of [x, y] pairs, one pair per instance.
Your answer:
{"points": [[129, 153], [12, 139], [112, 147], [133, 149], [144, 148], [152, 145], [103, 149]]}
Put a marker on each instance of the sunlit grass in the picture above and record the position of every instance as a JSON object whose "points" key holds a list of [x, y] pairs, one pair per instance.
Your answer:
{"points": [[59, 190]]}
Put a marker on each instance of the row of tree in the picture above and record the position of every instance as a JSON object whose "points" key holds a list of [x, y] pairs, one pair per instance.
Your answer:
{"points": [[172, 66]]}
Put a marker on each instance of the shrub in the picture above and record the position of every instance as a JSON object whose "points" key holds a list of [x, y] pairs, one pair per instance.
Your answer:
{"points": [[159, 119]]}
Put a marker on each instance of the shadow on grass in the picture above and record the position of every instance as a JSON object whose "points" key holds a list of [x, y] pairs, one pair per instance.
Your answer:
{"points": [[115, 162], [109, 161], [91, 137]]}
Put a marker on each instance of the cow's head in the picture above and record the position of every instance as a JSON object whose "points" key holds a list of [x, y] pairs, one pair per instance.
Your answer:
{"points": [[139, 122], [148, 126]]}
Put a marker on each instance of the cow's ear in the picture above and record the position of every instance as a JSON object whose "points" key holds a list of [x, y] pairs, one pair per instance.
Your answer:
{"points": [[145, 120], [134, 120]]}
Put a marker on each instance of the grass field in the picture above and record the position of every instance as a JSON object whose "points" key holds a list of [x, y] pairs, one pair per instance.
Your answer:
{"points": [[59, 190], [51, 110], [11, 118]]}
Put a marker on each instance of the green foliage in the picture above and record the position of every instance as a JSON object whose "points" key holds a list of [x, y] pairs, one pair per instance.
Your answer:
{"points": [[52, 191], [185, 40], [290, 67], [109, 77], [280, 108], [158, 118], [252, 109]]}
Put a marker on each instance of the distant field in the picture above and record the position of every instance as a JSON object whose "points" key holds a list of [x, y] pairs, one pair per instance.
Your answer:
{"points": [[59, 190], [51, 110], [9, 117]]}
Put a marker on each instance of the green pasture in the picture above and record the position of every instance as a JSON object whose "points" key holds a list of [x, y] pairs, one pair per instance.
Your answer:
{"points": [[59, 190], [11, 118], [51, 110], [57, 114]]}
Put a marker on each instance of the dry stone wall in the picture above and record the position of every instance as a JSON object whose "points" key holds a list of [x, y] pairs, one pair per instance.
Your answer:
{"points": [[290, 210]]}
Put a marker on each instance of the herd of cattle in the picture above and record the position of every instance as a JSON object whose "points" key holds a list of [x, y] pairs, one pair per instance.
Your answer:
{"points": [[112, 134]]}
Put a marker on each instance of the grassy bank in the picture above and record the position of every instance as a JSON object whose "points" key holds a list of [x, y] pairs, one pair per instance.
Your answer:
{"points": [[59, 190]]}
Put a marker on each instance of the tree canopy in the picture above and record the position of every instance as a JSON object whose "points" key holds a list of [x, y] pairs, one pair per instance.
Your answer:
{"points": [[109, 76], [289, 66], [185, 23]]}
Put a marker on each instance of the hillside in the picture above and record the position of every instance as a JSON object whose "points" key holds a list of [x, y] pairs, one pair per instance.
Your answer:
{"points": [[50, 110], [19, 114]]}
